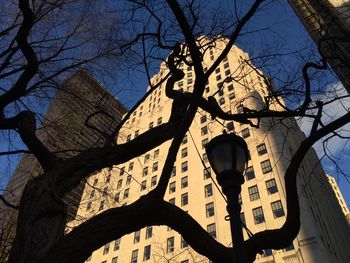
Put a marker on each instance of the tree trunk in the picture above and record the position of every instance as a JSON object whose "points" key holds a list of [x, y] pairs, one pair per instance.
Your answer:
{"points": [[41, 221]]}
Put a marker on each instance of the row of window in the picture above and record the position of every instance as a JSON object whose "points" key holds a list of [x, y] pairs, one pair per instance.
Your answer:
{"points": [[265, 168], [184, 184], [258, 214], [184, 199]]}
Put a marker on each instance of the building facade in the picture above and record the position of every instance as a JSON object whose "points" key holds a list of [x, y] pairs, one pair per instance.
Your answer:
{"points": [[193, 189], [63, 130]]}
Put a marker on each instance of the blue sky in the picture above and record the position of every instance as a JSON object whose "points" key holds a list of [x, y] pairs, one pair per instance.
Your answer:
{"points": [[277, 26]]}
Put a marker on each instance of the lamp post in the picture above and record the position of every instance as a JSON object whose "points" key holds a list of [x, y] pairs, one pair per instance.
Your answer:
{"points": [[228, 155]]}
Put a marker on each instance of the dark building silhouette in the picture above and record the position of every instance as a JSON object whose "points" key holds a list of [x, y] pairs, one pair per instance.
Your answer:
{"points": [[66, 131]]}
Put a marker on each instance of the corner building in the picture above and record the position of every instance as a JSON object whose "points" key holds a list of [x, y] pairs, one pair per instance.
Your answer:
{"points": [[192, 189]]}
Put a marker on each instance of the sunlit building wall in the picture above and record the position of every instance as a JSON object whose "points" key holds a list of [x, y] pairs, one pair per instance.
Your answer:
{"points": [[193, 189]]}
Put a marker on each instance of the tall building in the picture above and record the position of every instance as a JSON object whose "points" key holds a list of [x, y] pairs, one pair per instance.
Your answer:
{"points": [[339, 196], [192, 188], [63, 130], [328, 23]]}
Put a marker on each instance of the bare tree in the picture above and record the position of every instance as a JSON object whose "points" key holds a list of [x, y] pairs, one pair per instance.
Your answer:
{"points": [[178, 28]]}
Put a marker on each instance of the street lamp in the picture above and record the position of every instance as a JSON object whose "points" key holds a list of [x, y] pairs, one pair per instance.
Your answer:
{"points": [[228, 155]]}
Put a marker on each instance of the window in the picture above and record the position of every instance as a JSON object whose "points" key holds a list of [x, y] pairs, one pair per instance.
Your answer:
{"points": [[230, 87], [267, 252], [206, 173], [226, 65], [116, 197], [143, 185], [253, 193], [134, 256], [245, 133], [146, 158], [209, 208], [277, 209], [137, 236], [208, 190], [108, 179], [232, 96], [266, 166], [240, 199], [184, 261], [119, 184], [172, 201], [249, 174], [204, 143], [170, 245], [218, 77], [184, 182], [131, 166], [230, 126], [227, 72], [136, 133], [149, 230], [126, 193], [184, 199], [156, 153], [184, 152], [115, 260], [184, 167], [207, 89], [205, 157], [290, 247], [172, 187], [145, 171], [204, 130], [101, 205], [153, 180], [173, 172], [203, 118], [271, 186], [128, 180], [106, 249], [184, 140], [258, 215], [92, 193], [122, 170], [147, 253], [150, 125], [211, 229], [261, 149], [219, 86], [217, 70], [88, 207], [159, 121], [221, 101], [128, 138], [183, 243], [155, 167]]}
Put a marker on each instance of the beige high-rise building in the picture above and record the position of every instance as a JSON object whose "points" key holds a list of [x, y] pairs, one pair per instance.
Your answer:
{"points": [[192, 188]]}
